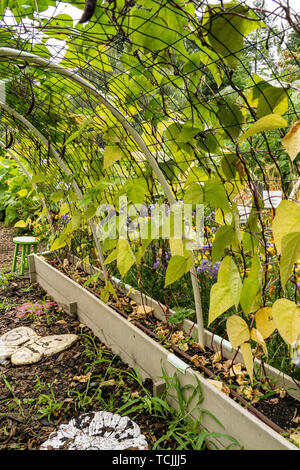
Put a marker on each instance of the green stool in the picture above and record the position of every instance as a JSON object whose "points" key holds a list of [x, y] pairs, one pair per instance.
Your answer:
{"points": [[25, 243]]}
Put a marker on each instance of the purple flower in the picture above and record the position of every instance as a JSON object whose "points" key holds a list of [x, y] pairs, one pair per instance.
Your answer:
{"points": [[156, 264], [204, 266], [297, 361], [65, 219], [206, 247]]}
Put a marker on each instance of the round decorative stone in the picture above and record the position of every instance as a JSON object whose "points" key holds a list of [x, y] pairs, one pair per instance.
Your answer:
{"points": [[99, 430]]}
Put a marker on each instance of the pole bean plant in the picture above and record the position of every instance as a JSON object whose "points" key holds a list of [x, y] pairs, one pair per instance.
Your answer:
{"points": [[167, 134]]}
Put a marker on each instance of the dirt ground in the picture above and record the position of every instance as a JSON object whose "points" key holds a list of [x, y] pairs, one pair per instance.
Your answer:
{"points": [[6, 247]]}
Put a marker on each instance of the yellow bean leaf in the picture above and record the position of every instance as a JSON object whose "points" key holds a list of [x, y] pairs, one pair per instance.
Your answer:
{"points": [[264, 321], [237, 330], [286, 316], [248, 358], [291, 142], [257, 336], [271, 121]]}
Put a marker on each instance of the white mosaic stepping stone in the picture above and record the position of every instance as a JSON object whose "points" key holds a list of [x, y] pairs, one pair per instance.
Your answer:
{"points": [[97, 431], [40, 347]]}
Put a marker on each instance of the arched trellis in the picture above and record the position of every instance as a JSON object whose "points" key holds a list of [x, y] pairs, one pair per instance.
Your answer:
{"points": [[63, 167], [28, 57]]}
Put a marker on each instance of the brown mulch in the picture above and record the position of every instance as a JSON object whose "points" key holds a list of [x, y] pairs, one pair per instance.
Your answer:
{"points": [[6, 246], [36, 399]]}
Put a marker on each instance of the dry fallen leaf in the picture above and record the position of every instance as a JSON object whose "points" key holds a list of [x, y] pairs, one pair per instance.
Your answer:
{"points": [[220, 386], [217, 357], [281, 391], [198, 360], [248, 393], [82, 378], [274, 401], [235, 370], [198, 345], [295, 436], [178, 336], [162, 329], [242, 381], [227, 364], [258, 352], [144, 310]]}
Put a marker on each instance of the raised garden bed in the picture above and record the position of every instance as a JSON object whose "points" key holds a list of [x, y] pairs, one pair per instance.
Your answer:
{"points": [[137, 347]]}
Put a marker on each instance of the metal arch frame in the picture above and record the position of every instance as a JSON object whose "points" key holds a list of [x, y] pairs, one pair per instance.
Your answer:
{"points": [[29, 57], [35, 59], [64, 168]]}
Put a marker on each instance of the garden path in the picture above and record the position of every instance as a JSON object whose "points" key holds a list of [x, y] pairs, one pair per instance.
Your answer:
{"points": [[6, 246]]}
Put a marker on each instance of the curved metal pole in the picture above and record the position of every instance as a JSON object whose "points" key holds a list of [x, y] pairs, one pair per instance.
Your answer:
{"points": [[29, 57], [33, 58], [64, 168]]}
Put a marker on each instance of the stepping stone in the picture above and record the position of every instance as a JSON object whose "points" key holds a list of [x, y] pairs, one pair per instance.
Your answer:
{"points": [[18, 336], [99, 430], [39, 347], [11, 341]]}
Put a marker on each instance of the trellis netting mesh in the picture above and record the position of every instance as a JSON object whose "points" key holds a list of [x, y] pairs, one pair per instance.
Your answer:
{"points": [[159, 101]]}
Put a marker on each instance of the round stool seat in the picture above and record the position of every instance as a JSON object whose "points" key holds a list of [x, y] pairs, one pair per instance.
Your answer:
{"points": [[25, 240], [25, 244]]}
